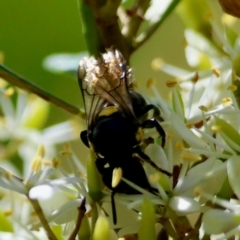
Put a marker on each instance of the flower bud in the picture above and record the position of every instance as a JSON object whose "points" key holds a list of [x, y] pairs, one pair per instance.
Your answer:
{"points": [[101, 230]]}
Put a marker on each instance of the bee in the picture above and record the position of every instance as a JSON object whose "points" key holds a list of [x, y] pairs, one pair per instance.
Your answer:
{"points": [[116, 117]]}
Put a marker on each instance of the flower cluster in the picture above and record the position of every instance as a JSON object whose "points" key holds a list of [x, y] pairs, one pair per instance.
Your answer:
{"points": [[199, 201]]}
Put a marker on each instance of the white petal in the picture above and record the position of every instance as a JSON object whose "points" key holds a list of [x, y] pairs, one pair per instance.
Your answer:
{"points": [[186, 134], [11, 183], [218, 221], [184, 205], [41, 192]]}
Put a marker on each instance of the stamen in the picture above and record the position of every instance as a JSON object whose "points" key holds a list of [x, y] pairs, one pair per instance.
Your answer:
{"points": [[179, 146], [226, 101], [9, 92], [56, 162], [8, 175], [36, 164], [40, 151], [232, 88], [203, 108], [172, 83], [8, 212], [66, 150], [197, 191], [47, 163], [190, 157], [215, 128], [150, 82], [157, 64], [216, 72], [195, 78]]}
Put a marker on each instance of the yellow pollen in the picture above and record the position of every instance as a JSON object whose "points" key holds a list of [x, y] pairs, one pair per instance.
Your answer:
{"points": [[195, 77], [216, 128], [197, 191], [169, 136], [150, 82], [9, 92], [216, 72], [189, 125], [8, 175], [116, 177], [190, 157], [157, 64], [226, 101], [47, 163], [234, 76], [56, 162], [232, 88], [154, 178], [66, 153], [179, 146], [171, 83], [8, 212], [40, 151], [33, 214], [67, 145], [36, 164], [203, 108]]}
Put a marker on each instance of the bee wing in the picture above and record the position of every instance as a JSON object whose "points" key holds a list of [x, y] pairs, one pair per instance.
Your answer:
{"points": [[105, 82], [93, 103]]}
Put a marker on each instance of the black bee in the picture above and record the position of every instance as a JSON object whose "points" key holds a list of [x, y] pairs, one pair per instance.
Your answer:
{"points": [[116, 117]]}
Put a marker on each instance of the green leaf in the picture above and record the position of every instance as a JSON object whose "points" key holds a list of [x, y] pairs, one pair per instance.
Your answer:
{"points": [[6, 225], [147, 226]]}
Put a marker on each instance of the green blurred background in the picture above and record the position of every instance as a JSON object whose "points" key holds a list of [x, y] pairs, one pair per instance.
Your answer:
{"points": [[32, 30]]}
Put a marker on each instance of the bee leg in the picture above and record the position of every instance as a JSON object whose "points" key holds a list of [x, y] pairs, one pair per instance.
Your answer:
{"points": [[147, 159], [114, 213], [151, 123], [84, 138], [145, 109]]}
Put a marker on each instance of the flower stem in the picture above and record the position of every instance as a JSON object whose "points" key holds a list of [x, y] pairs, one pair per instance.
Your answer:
{"points": [[25, 84], [42, 219], [81, 212]]}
